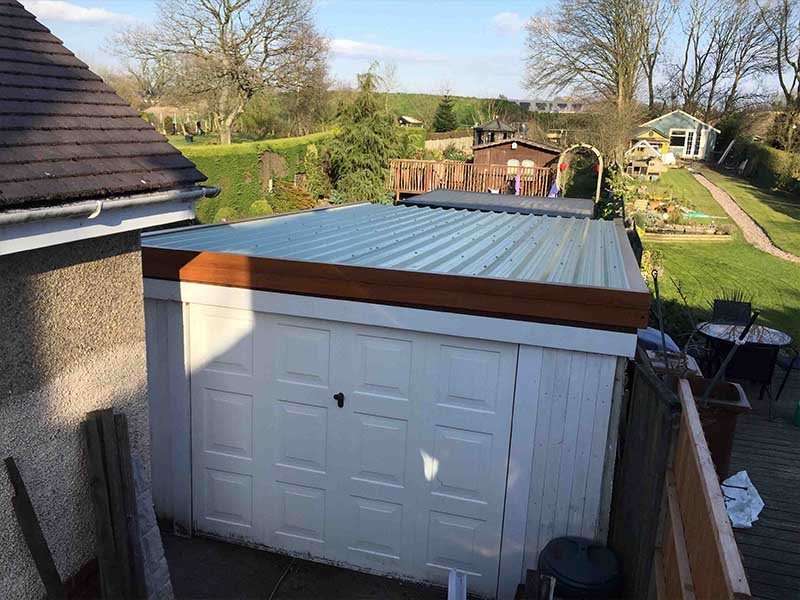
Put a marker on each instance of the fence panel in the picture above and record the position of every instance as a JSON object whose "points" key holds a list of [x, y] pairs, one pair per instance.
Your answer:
{"points": [[710, 547], [420, 176], [646, 433]]}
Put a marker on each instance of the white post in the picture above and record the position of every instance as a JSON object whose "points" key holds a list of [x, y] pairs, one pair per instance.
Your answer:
{"points": [[456, 585]]}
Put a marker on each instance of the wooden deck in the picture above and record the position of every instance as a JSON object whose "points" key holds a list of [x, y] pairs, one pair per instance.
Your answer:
{"points": [[770, 452]]}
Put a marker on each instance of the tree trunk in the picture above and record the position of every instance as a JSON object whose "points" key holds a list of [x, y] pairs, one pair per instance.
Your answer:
{"points": [[225, 133]]}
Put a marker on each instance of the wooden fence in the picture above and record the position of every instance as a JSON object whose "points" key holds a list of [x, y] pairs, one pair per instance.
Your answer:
{"points": [[669, 525], [420, 176], [698, 557]]}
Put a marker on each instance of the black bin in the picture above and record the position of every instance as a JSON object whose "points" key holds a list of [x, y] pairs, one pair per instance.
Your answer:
{"points": [[581, 568]]}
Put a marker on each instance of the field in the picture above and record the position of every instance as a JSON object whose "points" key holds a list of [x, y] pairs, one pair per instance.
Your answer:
{"points": [[705, 270], [778, 214], [423, 106], [236, 170]]}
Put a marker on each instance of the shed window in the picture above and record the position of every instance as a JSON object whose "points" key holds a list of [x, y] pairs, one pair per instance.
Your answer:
{"points": [[528, 164], [677, 138], [512, 165]]}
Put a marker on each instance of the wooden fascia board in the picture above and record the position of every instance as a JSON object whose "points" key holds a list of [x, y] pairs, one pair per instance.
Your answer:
{"points": [[594, 307]]}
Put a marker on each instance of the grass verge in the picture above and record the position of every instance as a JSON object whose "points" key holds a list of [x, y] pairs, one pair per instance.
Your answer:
{"points": [[778, 214]]}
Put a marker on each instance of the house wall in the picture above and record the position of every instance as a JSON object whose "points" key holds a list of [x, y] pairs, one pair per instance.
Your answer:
{"points": [[73, 340], [680, 121], [500, 155]]}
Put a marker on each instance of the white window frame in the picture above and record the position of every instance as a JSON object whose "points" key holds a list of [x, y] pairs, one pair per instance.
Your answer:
{"points": [[689, 136]]}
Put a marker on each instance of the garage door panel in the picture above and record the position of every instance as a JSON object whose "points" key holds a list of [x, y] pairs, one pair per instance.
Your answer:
{"points": [[303, 356], [380, 455], [228, 423], [384, 367], [298, 522], [468, 378], [302, 437], [454, 543], [377, 532], [227, 502], [222, 340], [463, 461]]}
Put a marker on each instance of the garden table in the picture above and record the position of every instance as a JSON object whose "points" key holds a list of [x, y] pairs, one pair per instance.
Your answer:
{"points": [[754, 361]]}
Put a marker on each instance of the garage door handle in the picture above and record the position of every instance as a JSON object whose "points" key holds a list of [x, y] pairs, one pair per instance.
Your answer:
{"points": [[339, 397]]}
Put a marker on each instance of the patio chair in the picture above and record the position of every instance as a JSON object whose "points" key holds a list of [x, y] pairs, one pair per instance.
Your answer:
{"points": [[731, 312], [788, 360], [754, 363]]}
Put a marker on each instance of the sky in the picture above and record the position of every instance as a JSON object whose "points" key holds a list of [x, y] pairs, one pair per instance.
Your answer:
{"points": [[466, 47]]}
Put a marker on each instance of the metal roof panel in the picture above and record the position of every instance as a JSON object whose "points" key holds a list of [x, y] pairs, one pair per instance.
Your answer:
{"points": [[521, 247]]}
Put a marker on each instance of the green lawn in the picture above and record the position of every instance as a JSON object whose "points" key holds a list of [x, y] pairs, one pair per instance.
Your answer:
{"points": [[682, 186], [778, 214], [706, 270]]}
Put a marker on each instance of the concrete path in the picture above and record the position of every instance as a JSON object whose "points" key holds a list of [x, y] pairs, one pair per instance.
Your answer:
{"points": [[204, 569], [753, 233]]}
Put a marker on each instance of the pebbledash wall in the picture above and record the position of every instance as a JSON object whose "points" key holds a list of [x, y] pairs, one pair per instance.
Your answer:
{"points": [[73, 340]]}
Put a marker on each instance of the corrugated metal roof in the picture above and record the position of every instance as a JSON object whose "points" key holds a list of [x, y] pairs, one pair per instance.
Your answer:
{"points": [[431, 240], [534, 205]]}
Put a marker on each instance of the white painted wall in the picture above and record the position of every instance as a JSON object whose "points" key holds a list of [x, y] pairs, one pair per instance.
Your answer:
{"points": [[563, 431]]}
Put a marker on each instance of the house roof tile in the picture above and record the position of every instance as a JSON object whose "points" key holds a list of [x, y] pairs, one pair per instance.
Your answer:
{"points": [[64, 134]]}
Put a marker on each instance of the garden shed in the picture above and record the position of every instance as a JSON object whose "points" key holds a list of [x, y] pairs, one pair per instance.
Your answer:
{"points": [[401, 390]]}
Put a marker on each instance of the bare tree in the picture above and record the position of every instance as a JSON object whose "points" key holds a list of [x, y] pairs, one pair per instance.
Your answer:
{"points": [[229, 50], [659, 16], [725, 44], [782, 19], [589, 44], [688, 77]]}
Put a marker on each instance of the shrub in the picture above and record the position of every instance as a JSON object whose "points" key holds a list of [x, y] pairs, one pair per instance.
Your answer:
{"points": [[318, 183], [361, 186], [225, 214], [288, 198], [260, 208], [453, 153]]}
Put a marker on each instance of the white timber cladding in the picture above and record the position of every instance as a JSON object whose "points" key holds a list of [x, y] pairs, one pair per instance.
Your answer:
{"points": [[535, 420]]}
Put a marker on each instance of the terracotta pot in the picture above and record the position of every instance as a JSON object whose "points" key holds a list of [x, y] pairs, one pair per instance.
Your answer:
{"points": [[719, 418]]}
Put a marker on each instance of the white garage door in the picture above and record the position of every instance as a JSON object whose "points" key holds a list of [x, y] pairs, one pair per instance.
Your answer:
{"points": [[382, 449]]}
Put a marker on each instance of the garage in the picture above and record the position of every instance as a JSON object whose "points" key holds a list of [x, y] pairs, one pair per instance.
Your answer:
{"points": [[394, 389]]}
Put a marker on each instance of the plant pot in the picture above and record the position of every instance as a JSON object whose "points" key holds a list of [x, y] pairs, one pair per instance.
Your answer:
{"points": [[719, 417]]}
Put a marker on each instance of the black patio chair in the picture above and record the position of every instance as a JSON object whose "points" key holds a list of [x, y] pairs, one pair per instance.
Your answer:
{"points": [[754, 363], [788, 360], [731, 312]]}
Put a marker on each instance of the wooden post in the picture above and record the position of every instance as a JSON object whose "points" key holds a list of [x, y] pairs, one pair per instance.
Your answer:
{"points": [[32, 531]]}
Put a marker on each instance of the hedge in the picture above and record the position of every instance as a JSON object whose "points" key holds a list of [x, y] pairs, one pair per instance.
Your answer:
{"points": [[236, 170], [769, 167]]}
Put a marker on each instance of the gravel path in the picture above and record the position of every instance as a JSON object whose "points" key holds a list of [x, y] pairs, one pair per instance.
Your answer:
{"points": [[753, 233]]}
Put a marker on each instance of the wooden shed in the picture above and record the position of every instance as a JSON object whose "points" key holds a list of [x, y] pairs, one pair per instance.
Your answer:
{"points": [[516, 152], [400, 390]]}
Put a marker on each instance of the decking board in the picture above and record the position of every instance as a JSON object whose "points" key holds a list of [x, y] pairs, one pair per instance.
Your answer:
{"points": [[770, 452]]}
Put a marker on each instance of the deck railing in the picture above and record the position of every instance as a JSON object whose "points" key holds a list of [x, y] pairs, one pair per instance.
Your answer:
{"points": [[408, 176]]}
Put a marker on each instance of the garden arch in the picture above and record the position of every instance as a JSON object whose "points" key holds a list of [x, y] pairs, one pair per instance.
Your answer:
{"points": [[599, 166]]}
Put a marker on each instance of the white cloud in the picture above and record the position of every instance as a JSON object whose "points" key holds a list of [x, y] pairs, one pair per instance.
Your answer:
{"points": [[354, 49], [508, 23], [59, 10]]}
